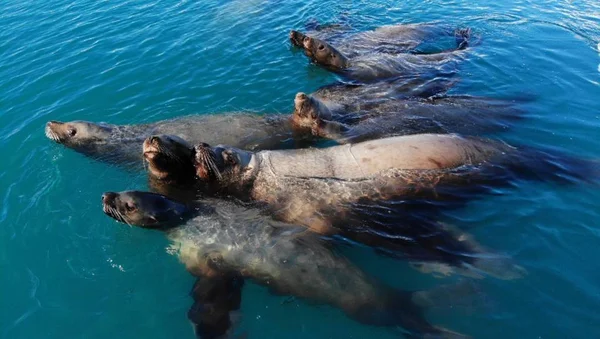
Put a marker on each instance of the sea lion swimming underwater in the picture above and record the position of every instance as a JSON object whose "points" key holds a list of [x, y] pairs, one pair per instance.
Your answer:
{"points": [[379, 54], [332, 204], [223, 243]]}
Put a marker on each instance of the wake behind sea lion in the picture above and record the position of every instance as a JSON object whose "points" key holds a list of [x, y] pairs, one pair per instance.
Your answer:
{"points": [[222, 243]]}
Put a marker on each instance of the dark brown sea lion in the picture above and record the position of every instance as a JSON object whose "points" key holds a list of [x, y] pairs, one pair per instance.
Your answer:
{"points": [[330, 203], [222, 242], [377, 118], [392, 39], [369, 67]]}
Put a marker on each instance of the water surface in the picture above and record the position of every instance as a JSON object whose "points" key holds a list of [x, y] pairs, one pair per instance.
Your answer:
{"points": [[69, 271]]}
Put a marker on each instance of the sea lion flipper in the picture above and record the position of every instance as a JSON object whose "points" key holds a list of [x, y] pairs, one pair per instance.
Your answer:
{"points": [[466, 294], [497, 266], [462, 36], [433, 88], [444, 333], [215, 301]]}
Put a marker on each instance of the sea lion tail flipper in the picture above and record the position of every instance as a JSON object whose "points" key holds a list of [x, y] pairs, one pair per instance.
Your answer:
{"points": [[444, 333], [484, 261], [438, 86], [216, 302], [466, 294], [462, 36]]}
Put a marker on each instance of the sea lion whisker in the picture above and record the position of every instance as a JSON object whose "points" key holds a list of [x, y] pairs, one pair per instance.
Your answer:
{"points": [[51, 135], [208, 159], [170, 154], [122, 217]]}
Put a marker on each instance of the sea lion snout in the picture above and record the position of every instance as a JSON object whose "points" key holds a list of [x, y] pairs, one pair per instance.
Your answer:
{"points": [[52, 123], [108, 198], [151, 147], [300, 99], [297, 38], [53, 131]]}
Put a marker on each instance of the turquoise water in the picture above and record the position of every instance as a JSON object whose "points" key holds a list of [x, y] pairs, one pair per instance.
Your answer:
{"points": [[69, 271]]}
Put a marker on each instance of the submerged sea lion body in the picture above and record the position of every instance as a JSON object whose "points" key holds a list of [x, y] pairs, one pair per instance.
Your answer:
{"points": [[377, 118], [221, 239]]}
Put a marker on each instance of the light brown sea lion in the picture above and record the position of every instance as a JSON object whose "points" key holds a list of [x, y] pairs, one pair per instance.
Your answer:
{"points": [[220, 241], [332, 203]]}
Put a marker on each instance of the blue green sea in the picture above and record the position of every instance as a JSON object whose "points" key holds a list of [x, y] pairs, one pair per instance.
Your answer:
{"points": [[69, 271]]}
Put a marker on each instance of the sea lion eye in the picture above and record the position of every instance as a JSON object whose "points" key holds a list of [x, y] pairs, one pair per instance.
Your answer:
{"points": [[71, 131], [321, 47], [130, 207]]}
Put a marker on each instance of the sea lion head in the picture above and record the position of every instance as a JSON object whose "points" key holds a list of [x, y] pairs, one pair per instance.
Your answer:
{"points": [[297, 38], [169, 156], [308, 111], [324, 54], [78, 134], [223, 165], [144, 209]]}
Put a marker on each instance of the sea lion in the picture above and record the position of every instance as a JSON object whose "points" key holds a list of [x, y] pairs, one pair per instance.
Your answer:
{"points": [[378, 54], [333, 191], [220, 240], [378, 118], [375, 66], [120, 144], [333, 204], [391, 39]]}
